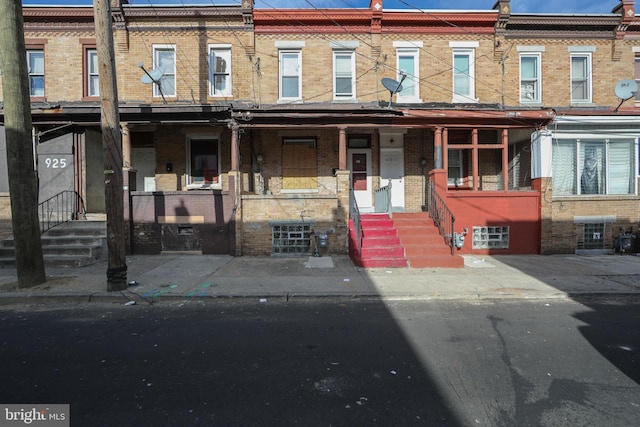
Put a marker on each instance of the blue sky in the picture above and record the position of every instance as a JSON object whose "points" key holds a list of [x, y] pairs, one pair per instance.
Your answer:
{"points": [[522, 6]]}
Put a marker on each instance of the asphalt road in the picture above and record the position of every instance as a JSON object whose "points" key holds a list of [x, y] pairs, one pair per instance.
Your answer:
{"points": [[440, 363]]}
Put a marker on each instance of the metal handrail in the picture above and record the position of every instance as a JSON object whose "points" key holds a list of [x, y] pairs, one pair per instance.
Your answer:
{"points": [[354, 214], [63, 207], [441, 216], [382, 201]]}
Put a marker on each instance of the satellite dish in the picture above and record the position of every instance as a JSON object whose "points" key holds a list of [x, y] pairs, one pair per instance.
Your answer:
{"points": [[625, 89], [393, 86], [153, 76]]}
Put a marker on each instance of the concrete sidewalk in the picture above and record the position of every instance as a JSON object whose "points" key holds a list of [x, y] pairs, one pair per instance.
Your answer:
{"points": [[179, 277]]}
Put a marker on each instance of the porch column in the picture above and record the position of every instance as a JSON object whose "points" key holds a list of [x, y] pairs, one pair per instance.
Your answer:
{"points": [[235, 148], [126, 145], [437, 148], [342, 148], [505, 159], [474, 159], [445, 149]]}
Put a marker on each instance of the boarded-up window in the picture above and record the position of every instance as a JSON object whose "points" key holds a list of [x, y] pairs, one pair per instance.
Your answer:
{"points": [[299, 164]]}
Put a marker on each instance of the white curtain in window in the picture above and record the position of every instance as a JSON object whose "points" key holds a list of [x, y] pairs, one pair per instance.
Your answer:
{"points": [[592, 166], [621, 168], [564, 168]]}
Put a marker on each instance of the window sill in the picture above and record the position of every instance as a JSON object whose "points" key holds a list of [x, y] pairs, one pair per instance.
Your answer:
{"points": [[289, 101], [203, 187]]}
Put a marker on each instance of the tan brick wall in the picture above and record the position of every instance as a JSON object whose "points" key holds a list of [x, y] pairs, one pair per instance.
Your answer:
{"points": [[259, 210], [559, 230]]}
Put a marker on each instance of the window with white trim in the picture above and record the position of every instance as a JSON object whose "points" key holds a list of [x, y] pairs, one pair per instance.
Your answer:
{"points": [[93, 82], [530, 75], [464, 75], [35, 67], [344, 72], [203, 166], [164, 60], [581, 77], [220, 71], [409, 63], [290, 74], [594, 167]]}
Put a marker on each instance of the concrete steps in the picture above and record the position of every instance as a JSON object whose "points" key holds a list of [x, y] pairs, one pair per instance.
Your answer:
{"points": [[73, 244]]}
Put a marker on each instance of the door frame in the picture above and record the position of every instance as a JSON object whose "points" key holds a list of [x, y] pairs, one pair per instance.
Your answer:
{"points": [[364, 198], [397, 186]]}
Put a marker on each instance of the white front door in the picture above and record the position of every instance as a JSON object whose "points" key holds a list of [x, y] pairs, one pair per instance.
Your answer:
{"points": [[143, 160], [359, 163], [392, 169]]}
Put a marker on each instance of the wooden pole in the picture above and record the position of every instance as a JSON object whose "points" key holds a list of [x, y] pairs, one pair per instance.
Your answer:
{"points": [[112, 147], [23, 185]]}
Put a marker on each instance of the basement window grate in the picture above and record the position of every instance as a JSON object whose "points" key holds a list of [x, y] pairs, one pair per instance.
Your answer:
{"points": [[592, 236], [291, 239], [491, 237]]}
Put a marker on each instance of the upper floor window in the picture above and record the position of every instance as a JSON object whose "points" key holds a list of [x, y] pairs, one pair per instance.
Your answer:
{"points": [[408, 62], [93, 83], [35, 67], [344, 70], [464, 71], [580, 77], [164, 59], [290, 74], [530, 84], [220, 71]]}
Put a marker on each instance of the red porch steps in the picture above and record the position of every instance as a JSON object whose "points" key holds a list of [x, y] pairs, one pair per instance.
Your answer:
{"points": [[407, 240], [423, 245], [380, 243]]}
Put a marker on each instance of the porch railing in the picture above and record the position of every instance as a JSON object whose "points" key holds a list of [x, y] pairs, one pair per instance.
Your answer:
{"points": [[63, 207], [382, 201], [354, 214], [442, 216]]}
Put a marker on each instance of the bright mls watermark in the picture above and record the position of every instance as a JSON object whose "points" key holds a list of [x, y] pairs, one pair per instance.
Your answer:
{"points": [[34, 415]]}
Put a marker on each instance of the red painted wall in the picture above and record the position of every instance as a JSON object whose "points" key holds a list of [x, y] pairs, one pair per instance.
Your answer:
{"points": [[520, 210]]}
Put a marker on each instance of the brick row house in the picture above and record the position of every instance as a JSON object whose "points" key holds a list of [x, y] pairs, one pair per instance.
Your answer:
{"points": [[259, 131]]}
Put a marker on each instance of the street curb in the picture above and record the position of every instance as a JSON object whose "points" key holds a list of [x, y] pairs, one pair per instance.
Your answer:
{"points": [[123, 297]]}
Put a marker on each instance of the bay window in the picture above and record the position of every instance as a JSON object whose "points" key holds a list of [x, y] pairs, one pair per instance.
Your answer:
{"points": [[586, 167]]}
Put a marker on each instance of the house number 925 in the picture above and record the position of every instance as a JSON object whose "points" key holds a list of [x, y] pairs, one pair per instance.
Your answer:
{"points": [[55, 163]]}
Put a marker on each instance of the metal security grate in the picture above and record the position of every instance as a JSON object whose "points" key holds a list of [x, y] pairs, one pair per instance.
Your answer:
{"points": [[592, 236], [291, 239], [491, 237]]}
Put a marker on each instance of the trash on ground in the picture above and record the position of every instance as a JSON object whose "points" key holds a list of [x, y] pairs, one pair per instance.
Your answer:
{"points": [[263, 300], [130, 303], [134, 283]]}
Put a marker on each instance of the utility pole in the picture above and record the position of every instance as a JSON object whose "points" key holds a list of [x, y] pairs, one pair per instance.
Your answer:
{"points": [[112, 147], [23, 186]]}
